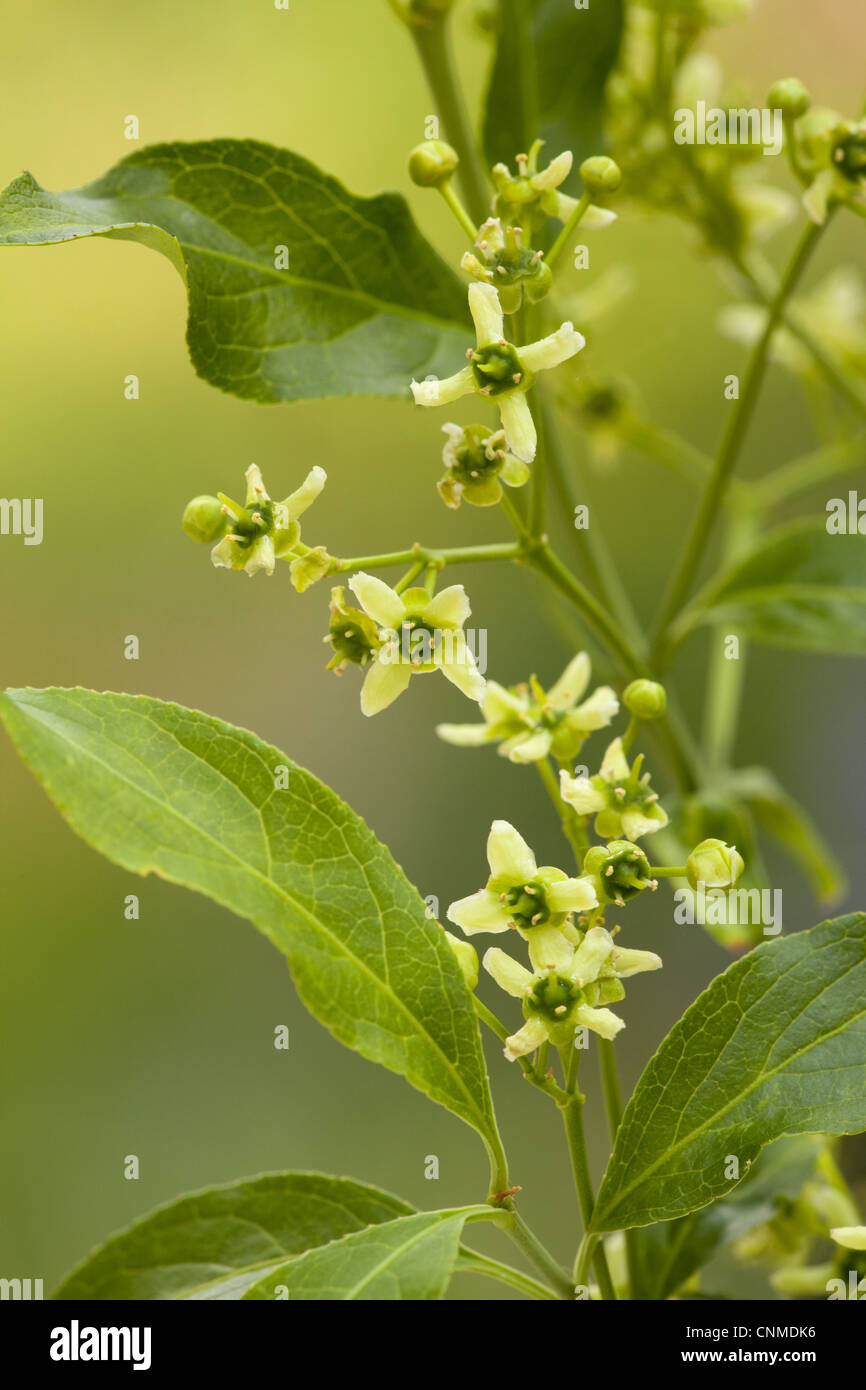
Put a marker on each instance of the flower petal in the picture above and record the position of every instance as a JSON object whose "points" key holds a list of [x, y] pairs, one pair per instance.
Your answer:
{"points": [[602, 1021], [376, 598], [572, 895], [816, 199], [548, 950], [581, 794], [298, 501], [595, 218], [464, 735], [514, 472], [449, 608], [527, 1039], [508, 973], [384, 681], [556, 172], [592, 953], [851, 1237], [500, 704], [614, 764], [636, 823], [481, 911], [486, 314], [508, 854], [518, 424], [596, 712], [565, 692], [442, 392], [626, 962], [527, 747], [459, 668], [551, 351]]}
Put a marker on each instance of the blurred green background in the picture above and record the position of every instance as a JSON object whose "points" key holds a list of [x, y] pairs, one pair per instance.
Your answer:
{"points": [[155, 1037]]}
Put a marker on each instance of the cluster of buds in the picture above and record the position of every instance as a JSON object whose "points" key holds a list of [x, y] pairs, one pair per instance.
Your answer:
{"points": [[827, 152], [575, 974]]}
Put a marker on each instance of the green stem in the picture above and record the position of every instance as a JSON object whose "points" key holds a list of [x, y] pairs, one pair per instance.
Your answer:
{"points": [[572, 1118], [543, 559], [469, 554], [585, 1255], [561, 241], [732, 441], [613, 1105], [802, 474], [434, 50], [533, 1074], [540, 1256], [457, 208], [726, 674], [471, 1262], [572, 827]]}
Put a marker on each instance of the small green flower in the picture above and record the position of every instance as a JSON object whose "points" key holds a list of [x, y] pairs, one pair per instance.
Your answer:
{"points": [[418, 634], [352, 634], [569, 991], [500, 259], [714, 864], [499, 372], [834, 152], [476, 466], [536, 902], [262, 531], [533, 195], [619, 797], [620, 871], [528, 722]]}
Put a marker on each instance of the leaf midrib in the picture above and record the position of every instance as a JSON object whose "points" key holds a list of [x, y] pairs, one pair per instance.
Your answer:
{"points": [[281, 892], [624, 1192]]}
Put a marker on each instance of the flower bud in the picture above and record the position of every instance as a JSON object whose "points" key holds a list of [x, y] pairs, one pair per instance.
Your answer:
{"points": [[467, 959], [646, 699], [432, 163], [790, 97], [204, 519], [600, 174], [714, 864]]}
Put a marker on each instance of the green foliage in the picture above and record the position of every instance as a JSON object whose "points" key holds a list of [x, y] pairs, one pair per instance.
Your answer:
{"points": [[363, 305], [162, 789], [776, 1045]]}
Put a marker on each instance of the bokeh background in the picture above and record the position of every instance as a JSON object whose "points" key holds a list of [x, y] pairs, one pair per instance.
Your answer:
{"points": [[154, 1037]]}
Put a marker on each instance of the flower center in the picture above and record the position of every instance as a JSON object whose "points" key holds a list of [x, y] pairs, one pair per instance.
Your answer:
{"points": [[554, 998], [527, 904], [349, 642], [850, 155], [497, 368]]}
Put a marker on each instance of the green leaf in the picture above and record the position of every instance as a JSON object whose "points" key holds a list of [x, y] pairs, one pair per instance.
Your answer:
{"points": [[552, 62], [412, 1257], [364, 305], [219, 1243], [791, 826], [776, 1045], [801, 588], [162, 789], [673, 1251]]}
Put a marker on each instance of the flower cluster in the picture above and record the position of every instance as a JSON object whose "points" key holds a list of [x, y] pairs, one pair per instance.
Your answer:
{"points": [[575, 974]]}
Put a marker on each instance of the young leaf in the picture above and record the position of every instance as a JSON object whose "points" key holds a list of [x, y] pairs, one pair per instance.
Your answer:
{"points": [[552, 62], [162, 789], [673, 1250], [297, 288], [801, 588], [776, 1045], [219, 1243], [412, 1257]]}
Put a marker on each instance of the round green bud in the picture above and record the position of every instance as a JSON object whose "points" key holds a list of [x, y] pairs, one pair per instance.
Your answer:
{"points": [[714, 864], [204, 519], [600, 174], [790, 97], [432, 163], [646, 699]]}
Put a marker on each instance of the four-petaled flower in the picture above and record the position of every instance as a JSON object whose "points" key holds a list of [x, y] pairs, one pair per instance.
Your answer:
{"points": [[619, 797], [263, 530], [569, 990], [476, 466], [536, 901], [498, 370], [529, 722], [534, 194], [418, 634]]}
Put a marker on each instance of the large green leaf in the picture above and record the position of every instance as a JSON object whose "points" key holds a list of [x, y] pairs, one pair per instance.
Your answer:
{"points": [[776, 1045], [410, 1258], [552, 62], [219, 1243], [802, 588], [162, 789], [364, 305], [672, 1251]]}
